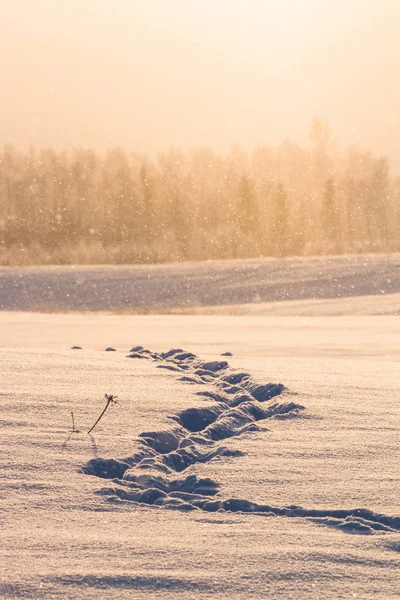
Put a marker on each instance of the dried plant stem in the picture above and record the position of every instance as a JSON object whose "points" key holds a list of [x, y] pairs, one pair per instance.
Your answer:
{"points": [[110, 400], [73, 421]]}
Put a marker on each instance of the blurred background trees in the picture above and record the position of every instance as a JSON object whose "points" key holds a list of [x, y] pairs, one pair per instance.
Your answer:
{"points": [[85, 207]]}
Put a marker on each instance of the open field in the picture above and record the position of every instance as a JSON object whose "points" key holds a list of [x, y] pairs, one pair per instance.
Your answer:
{"points": [[254, 491], [227, 286]]}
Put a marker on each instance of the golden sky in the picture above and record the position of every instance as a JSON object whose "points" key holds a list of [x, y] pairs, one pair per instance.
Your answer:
{"points": [[148, 74]]}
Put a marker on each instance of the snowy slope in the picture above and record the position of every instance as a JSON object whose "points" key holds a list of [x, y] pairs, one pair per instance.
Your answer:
{"points": [[194, 287]]}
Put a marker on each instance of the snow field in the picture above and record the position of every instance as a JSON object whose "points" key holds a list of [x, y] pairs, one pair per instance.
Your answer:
{"points": [[61, 537]]}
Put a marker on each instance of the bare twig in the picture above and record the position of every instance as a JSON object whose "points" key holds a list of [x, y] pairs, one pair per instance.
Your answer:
{"points": [[110, 399], [73, 422]]}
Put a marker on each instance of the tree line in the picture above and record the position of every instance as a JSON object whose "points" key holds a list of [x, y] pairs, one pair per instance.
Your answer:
{"points": [[83, 207]]}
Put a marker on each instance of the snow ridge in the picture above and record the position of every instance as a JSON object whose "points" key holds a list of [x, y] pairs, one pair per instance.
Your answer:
{"points": [[150, 475]]}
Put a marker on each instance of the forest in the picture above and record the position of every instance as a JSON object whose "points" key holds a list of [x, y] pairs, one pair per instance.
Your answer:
{"points": [[85, 207]]}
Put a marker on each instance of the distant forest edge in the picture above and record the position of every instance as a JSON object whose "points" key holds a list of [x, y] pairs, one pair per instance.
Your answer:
{"points": [[81, 207]]}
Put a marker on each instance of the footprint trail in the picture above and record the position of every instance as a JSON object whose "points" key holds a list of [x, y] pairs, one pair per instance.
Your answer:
{"points": [[154, 473]]}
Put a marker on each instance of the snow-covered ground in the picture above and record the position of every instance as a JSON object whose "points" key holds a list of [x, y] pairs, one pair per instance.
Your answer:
{"points": [[255, 492], [202, 286]]}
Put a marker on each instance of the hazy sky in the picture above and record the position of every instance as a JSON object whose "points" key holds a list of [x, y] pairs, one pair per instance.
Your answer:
{"points": [[148, 74]]}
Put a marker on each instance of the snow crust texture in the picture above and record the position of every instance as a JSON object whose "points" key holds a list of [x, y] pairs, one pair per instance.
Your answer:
{"points": [[235, 405]]}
